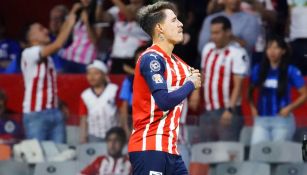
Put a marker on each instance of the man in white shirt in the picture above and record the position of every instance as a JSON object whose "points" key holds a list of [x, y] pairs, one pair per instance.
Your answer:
{"points": [[97, 105], [42, 119], [224, 65]]}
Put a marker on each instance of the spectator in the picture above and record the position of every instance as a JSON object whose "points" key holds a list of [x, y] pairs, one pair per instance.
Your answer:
{"points": [[42, 119], [10, 127], [83, 50], [298, 33], [224, 66], [126, 95], [56, 19], [246, 27], [97, 105], [128, 34], [274, 77], [9, 52], [115, 162], [215, 6]]}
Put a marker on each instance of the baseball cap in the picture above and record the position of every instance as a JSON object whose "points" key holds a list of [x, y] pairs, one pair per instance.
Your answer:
{"points": [[98, 65]]}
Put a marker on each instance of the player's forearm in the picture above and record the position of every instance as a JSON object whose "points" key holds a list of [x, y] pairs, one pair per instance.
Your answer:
{"points": [[167, 101]]}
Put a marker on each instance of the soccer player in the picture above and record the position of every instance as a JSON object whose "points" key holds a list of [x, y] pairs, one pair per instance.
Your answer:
{"points": [[162, 81]]}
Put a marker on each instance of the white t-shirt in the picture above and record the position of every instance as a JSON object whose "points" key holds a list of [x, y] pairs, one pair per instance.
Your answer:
{"points": [[100, 110], [128, 35], [298, 12]]}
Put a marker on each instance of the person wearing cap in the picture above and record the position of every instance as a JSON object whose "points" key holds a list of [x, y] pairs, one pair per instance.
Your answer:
{"points": [[97, 105]]}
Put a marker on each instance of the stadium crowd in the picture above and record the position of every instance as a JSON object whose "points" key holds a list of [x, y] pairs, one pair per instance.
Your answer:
{"points": [[264, 41]]}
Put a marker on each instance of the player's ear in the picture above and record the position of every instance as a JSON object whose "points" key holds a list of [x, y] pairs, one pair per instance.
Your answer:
{"points": [[159, 28]]}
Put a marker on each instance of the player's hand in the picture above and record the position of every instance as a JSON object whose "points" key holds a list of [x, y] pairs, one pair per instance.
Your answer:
{"points": [[226, 118], [196, 80]]}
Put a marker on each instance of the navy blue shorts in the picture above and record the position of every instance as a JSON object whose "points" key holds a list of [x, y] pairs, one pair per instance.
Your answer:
{"points": [[157, 163]]}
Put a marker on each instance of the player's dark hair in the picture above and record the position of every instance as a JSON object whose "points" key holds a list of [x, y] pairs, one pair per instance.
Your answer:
{"points": [[149, 16], [25, 32], [282, 68], [222, 20], [120, 132]]}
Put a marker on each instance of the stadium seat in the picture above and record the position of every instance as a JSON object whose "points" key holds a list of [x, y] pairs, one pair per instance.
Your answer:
{"points": [[217, 152], [245, 168], [276, 152], [246, 135], [5, 152], [72, 135], [88, 152], [291, 169], [14, 168], [57, 168]]}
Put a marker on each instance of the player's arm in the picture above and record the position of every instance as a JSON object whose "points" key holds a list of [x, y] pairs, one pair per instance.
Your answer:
{"points": [[61, 39], [152, 69]]}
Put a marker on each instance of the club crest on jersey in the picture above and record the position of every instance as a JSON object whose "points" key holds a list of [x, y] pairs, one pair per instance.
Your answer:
{"points": [[155, 173], [157, 78], [155, 65]]}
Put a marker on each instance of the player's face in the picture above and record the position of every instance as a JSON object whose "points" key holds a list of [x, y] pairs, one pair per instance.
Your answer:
{"points": [[39, 33], [95, 77], [115, 145], [172, 28], [218, 35], [274, 52]]}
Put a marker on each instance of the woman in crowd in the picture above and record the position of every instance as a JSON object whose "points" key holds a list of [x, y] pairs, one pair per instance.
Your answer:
{"points": [[83, 50], [274, 78]]}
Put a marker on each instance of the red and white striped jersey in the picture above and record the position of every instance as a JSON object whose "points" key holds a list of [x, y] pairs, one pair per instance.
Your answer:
{"points": [[153, 128], [218, 67], [99, 110], [40, 81], [81, 50], [106, 165]]}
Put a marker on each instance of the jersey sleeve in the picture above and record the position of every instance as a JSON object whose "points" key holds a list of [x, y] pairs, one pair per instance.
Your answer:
{"points": [[296, 78], [240, 63], [82, 108], [152, 67], [125, 92], [31, 55]]}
